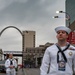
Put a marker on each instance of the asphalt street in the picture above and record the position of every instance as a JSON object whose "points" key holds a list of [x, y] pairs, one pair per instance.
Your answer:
{"points": [[27, 71]]}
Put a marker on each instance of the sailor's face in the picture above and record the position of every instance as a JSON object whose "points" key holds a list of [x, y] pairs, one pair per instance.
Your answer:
{"points": [[10, 55], [62, 35]]}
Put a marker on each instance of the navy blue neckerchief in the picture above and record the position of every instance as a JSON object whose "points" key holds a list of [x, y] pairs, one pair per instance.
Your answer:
{"points": [[11, 63], [62, 52]]}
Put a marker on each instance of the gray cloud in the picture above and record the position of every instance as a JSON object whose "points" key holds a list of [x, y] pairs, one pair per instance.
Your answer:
{"points": [[29, 15]]}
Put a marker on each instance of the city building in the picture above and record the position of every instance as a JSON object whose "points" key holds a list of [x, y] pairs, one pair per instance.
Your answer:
{"points": [[70, 11], [29, 41], [34, 55]]}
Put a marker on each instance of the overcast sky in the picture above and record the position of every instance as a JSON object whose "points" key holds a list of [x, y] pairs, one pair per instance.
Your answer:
{"points": [[33, 15]]}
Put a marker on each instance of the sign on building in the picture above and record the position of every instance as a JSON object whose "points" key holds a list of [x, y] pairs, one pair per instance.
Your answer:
{"points": [[71, 38]]}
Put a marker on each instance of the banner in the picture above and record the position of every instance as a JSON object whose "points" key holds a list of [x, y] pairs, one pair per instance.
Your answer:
{"points": [[71, 38]]}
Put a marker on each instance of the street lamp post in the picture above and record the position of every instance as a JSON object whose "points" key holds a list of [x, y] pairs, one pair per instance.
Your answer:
{"points": [[67, 18], [56, 17]]}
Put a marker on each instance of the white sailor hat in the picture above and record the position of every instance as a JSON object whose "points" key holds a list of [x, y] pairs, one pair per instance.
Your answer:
{"points": [[68, 30], [11, 53]]}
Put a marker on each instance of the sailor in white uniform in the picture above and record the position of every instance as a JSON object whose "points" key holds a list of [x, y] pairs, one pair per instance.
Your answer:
{"points": [[59, 59], [10, 65]]}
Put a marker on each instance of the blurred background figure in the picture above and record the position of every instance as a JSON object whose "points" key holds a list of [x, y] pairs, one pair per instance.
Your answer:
{"points": [[10, 65]]}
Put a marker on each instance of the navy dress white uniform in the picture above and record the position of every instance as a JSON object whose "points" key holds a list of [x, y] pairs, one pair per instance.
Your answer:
{"points": [[10, 62], [56, 63]]}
